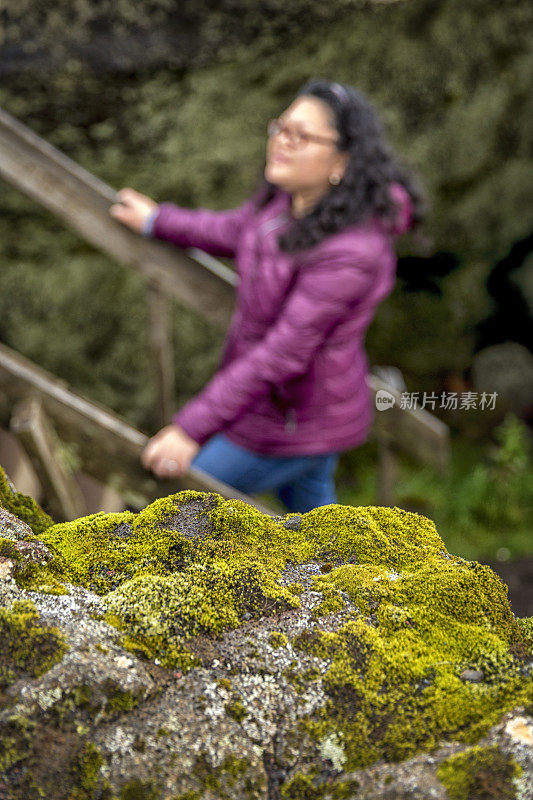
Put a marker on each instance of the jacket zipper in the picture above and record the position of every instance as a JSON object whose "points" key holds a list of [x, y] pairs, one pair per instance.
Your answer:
{"points": [[290, 420]]}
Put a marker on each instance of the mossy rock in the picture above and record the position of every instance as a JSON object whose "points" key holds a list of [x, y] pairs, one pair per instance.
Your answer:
{"points": [[482, 772], [194, 564], [28, 648], [368, 661], [23, 507]]}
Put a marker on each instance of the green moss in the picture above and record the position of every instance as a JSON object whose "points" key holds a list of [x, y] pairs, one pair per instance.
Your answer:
{"points": [[480, 772], [331, 603], [72, 700], [15, 741], [394, 683], [526, 624], [222, 781], [236, 710], [190, 795], [390, 537], [90, 761], [234, 768], [27, 647], [162, 611], [392, 677], [295, 588], [164, 586], [139, 790], [301, 787], [32, 575], [305, 787], [277, 639], [23, 507], [121, 700]]}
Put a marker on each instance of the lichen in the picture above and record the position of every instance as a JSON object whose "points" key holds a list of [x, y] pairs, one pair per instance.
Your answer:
{"points": [[27, 647], [332, 748], [479, 772], [23, 507]]}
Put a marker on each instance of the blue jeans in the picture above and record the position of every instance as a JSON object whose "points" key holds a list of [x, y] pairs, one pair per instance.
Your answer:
{"points": [[300, 482]]}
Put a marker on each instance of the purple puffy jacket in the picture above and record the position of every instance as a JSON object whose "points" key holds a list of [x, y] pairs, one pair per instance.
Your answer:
{"points": [[292, 376]]}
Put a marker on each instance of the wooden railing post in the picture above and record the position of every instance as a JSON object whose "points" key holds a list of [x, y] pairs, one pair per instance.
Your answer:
{"points": [[162, 351], [31, 425]]}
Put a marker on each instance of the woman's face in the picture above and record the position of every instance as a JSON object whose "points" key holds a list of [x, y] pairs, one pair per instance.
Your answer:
{"points": [[309, 167]]}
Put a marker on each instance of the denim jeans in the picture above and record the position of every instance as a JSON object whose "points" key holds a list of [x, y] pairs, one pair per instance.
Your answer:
{"points": [[300, 482]]}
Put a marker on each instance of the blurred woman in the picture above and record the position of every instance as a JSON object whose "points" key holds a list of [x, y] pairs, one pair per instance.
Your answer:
{"points": [[314, 249]]}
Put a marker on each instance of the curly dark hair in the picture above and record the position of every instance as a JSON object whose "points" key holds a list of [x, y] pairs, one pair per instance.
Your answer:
{"points": [[364, 188]]}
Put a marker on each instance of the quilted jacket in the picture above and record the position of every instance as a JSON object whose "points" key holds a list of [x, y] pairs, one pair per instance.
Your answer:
{"points": [[291, 380]]}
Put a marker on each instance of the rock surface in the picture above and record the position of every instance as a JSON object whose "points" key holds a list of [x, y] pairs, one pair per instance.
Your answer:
{"points": [[200, 650]]}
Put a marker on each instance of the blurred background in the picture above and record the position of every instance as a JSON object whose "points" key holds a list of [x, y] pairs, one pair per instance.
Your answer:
{"points": [[173, 99]]}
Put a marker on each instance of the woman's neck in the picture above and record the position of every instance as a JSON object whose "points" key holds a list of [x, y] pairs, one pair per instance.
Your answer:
{"points": [[304, 201]]}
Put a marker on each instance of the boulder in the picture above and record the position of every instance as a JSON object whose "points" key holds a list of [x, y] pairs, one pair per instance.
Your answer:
{"points": [[201, 650]]}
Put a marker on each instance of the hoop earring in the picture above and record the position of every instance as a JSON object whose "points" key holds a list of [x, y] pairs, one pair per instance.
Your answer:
{"points": [[334, 180]]}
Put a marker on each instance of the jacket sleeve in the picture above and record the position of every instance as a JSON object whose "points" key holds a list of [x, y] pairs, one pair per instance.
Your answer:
{"points": [[324, 293], [216, 232]]}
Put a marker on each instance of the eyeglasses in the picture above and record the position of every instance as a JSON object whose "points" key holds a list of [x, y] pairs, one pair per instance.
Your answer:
{"points": [[296, 138]]}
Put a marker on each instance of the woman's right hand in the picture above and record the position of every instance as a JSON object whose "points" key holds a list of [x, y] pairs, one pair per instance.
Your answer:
{"points": [[133, 209]]}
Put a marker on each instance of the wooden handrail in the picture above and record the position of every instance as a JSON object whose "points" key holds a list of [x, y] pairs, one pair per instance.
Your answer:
{"points": [[82, 201], [108, 446]]}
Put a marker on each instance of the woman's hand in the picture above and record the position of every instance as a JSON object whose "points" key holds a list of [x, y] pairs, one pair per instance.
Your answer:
{"points": [[169, 453], [134, 208]]}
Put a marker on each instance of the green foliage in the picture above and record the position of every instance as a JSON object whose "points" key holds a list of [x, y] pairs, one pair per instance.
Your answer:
{"points": [[481, 505]]}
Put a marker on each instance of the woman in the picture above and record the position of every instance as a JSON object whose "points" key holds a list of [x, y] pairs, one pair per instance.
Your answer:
{"points": [[314, 251]]}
